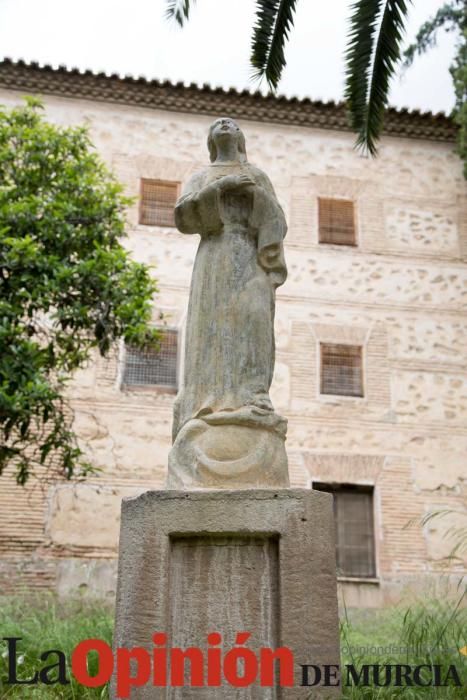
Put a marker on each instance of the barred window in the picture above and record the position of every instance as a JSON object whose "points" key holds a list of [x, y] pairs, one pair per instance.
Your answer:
{"points": [[336, 221], [157, 204], [154, 367], [341, 369], [355, 540]]}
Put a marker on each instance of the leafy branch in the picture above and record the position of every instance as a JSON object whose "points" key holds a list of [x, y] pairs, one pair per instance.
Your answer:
{"points": [[68, 287]]}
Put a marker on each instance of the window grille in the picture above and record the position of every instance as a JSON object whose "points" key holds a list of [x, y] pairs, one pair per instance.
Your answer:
{"points": [[341, 369], [158, 201], [336, 221], [355, 541], [153, 367]]}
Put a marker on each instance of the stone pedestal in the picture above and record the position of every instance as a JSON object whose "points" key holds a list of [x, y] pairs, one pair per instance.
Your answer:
{"points": [[256, 561]]}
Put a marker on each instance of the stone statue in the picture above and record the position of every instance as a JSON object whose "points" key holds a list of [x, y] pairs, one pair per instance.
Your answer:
{"points": [[225, 431]]}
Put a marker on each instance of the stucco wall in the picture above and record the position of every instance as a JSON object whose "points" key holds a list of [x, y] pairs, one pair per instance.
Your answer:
{"points": [[402, 293]]}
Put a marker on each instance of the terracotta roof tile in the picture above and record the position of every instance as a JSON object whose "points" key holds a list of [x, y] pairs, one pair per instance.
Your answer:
{"points": [[178, 97]]}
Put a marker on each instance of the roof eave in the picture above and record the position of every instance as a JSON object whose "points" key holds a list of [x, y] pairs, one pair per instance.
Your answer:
{"points": [[154, 94]]}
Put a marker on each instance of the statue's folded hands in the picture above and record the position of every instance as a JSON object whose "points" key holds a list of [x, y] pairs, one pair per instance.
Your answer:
{"points": [[234, 182]]}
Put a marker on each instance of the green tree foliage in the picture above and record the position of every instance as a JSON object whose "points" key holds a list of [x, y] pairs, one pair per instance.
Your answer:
{"points": [[373, 53], [66, 284], [451, 17]]}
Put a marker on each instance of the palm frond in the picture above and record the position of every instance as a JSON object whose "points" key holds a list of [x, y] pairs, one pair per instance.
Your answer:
{"points": [[387, 54], [274, 19], [363, 24], [179, 10], [371, 61]]}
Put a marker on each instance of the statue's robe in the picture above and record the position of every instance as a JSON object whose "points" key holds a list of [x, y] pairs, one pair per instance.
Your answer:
{"points": [[229, 352]]}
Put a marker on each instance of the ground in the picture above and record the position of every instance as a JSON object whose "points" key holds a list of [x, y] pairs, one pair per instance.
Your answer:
{"points": [[430, 632]]}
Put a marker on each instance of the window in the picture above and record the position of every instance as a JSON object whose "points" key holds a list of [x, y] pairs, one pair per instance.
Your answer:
{"points": [[353, 515], [157, 204], [154, 367], [341, 369], [336, 221]]}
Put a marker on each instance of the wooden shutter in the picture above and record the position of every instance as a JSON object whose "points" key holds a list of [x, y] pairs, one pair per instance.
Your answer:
{"points": [[336, 221], [355, 541], [341, 369], [155, 367], [157, 204]]}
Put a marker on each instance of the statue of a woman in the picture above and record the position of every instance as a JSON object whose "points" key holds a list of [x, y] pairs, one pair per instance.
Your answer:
{"points": [[225, 431]]}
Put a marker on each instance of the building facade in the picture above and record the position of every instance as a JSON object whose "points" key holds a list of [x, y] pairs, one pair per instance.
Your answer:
{"points": [[371, 331]]}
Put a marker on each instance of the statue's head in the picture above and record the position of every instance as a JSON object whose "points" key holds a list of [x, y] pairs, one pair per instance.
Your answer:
{"points": [[222, 130]]}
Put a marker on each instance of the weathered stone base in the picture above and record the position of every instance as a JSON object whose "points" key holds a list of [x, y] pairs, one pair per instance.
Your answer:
{"points": [[257, 561], [227, 457]]}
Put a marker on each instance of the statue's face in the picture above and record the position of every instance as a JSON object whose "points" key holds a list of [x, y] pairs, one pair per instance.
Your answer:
{"points": [[224, 128]]}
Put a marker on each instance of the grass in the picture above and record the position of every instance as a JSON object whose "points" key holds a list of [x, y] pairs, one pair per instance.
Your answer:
{"points": [[45, 623], [429, 633], [426, 633]]}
